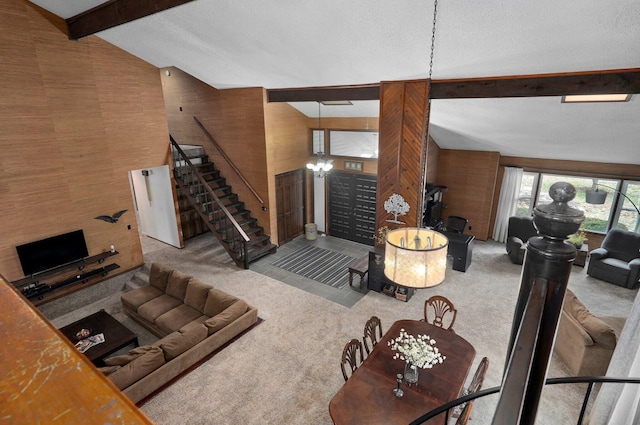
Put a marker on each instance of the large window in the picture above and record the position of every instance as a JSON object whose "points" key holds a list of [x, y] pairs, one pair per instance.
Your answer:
{"points": [[617, 210]]}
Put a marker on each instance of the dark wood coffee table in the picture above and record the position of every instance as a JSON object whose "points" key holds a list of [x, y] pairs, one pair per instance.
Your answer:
{"points": [[116, 335]]}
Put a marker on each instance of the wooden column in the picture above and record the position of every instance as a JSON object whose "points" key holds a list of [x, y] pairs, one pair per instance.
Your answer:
{"points": [[402, 147]]}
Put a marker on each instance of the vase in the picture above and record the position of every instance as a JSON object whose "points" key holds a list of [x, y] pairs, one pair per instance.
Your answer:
{"points": [[411, 373]]}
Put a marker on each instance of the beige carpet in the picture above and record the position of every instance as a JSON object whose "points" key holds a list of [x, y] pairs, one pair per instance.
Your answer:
{"points": [[286, 370]]}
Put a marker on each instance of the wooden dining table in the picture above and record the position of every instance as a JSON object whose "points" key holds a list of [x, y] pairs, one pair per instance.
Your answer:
{"points": [[368, 397]]}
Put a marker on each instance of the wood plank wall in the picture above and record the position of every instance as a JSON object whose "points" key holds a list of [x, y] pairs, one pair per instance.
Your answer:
{"points": [[235, 119], [402, 150], [575, 168], [288, 146], [76, 116], [470, 177]]}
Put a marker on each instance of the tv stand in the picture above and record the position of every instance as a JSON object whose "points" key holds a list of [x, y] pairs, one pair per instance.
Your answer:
{"points": [[35, 289]]}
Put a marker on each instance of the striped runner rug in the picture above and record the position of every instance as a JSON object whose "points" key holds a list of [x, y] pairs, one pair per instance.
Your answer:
{"points": [[322, 265]]}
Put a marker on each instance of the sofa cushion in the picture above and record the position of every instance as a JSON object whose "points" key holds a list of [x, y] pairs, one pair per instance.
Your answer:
{"points": [[155, 308], [177, 343], [177, 284], [199, 321], [601, 332], [135, 298], [107, 370], [159, 275], [176, 318], [222, 319], [196, 295], [124, 359], [138, 368], [217, 302]]}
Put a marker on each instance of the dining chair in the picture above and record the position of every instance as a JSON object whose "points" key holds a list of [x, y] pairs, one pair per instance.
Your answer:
{"points": [[474, 386], [352, 350], [437, 311], [372, 333]]}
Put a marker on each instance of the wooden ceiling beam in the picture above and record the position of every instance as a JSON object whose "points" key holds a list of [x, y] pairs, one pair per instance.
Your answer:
{"points": [[594, 82], [323, 94], [113, 13]]}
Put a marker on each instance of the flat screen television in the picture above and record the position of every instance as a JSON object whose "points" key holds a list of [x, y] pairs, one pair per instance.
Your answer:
{"points": [[52, 252]]}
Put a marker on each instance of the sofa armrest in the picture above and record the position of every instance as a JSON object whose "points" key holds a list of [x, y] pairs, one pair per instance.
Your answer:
{"points": [[634, 270], [598, 254], [573, 333]]}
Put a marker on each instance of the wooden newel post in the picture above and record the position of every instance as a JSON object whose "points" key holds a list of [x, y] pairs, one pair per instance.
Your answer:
{"points": [[545, 273]]}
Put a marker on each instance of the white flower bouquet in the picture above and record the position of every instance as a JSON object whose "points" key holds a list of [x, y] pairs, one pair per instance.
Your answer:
{"points": [[420, 351]]}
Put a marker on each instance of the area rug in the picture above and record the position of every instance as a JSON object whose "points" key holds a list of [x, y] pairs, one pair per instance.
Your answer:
{"points": [[321, 265]]}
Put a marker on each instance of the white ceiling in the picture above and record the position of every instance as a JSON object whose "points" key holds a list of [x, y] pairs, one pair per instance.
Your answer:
{"points": [[304, 43]]}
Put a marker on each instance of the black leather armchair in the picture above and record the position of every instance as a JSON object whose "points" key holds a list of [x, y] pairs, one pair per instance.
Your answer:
{"points": [[617, 261], [518, 233]]}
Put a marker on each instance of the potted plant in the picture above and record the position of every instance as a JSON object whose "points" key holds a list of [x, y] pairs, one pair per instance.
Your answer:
{"points": [[578, 238]]}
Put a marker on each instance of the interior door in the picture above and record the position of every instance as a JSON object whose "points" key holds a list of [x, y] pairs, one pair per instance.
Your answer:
{"points": [[290, 205], [352, 206]]}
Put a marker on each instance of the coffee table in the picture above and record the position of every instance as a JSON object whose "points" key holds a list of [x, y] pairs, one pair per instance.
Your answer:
{"points": [[116, 335]]}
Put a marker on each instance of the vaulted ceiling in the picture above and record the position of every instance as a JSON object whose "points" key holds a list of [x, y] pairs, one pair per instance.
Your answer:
{"points": [[304, 43]]}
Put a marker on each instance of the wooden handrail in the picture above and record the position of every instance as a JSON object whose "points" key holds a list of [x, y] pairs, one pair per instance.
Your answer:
{"points": [[226, 158], [208, 188]]}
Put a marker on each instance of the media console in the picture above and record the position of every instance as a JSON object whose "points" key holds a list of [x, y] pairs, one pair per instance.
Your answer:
{"points": [[38, 291]]}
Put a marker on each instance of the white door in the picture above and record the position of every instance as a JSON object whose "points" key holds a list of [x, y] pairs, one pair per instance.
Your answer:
{"points": [[153, 199]]}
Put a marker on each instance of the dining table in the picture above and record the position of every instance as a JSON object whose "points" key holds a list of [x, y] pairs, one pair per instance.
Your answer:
{"points": [[368, 397]]}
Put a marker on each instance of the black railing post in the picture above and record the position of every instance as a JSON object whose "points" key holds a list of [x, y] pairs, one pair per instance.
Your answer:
{"points": [[545, 274]]}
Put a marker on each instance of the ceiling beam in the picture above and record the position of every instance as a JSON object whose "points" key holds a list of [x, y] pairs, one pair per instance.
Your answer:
{"points": [[113, 13], [323, 94], [593, 82]]}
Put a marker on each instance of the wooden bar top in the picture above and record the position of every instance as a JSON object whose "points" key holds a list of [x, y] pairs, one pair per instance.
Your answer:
{"points": [[45, 379], [368, 398]]}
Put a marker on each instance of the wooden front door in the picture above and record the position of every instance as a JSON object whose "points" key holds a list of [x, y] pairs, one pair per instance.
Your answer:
{"points": [[352, 206], [290, 205]]}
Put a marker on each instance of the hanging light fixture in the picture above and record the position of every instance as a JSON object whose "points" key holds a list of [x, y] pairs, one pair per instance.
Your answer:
{"points": [[322, 166], [415, 257]]}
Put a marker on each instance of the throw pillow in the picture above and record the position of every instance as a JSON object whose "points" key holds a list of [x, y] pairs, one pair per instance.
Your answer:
{"points": [[138, 368], [177, 284], [197, 293], [159, 275], [177, 343], [127, 358], [217, 302], [108, 370], [222, 319]]}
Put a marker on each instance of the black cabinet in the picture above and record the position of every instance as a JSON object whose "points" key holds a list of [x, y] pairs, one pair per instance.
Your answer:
{"points": [[378, 282]]}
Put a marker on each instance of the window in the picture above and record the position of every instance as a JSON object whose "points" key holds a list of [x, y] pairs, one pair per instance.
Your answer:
{"points": [[527, 194], [627, 217], [617, 210], [354, 143]]}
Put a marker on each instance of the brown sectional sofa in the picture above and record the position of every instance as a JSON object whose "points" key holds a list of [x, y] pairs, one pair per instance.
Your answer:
{"points": [[192, 319], [585, 342]]}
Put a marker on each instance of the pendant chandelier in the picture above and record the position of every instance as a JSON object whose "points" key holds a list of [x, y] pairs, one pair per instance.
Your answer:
{"points": [[321, 166]]}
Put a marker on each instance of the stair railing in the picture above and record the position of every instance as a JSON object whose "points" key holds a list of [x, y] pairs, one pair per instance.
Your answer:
{"points": [[226, 158], [223, 220], [591, 380]]}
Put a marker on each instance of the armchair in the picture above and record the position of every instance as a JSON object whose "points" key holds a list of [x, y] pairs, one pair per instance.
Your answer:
{"points": [[617, 261], [518, 233]]}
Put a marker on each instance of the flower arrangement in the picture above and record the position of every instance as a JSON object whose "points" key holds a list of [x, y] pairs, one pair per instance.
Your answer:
{"points": [[420, 351], [381, 237]]}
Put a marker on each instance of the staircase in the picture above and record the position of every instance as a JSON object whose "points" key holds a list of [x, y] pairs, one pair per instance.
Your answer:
{"points": [[220, 208]]}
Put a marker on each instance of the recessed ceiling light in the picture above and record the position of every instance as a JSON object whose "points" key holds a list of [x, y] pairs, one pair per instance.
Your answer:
{"points": [[596, 98], [336, 102]]}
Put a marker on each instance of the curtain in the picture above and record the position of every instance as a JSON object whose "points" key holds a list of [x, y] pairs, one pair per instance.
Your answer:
{"points": [[619, 404], [508, 200]]}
